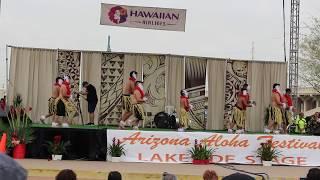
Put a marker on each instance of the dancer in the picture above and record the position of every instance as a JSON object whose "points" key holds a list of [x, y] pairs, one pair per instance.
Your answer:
{"points": [[65, 109], [137, 99], [92, 98], [51, 102], [289, 107], [239, 112], [275, 120], [128, 89], [185, 107]]}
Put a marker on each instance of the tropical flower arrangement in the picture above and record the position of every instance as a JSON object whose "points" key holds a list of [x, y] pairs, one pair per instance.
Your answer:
{"points": [[116, 149], [200, 153], [57, 147], [19, 131], [267, 153]]}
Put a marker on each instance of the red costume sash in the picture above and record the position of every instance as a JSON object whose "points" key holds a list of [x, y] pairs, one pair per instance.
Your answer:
{"points": [[3, 105], [133, 79], [288, 99], [187, 108], [68, 87], [276, 92], [140, 91]]}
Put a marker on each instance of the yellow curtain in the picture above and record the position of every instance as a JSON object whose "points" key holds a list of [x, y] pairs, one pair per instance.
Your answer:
{"points": [[261, 77], [216, 93], [32, 73], [174, 80], [91, 72]]}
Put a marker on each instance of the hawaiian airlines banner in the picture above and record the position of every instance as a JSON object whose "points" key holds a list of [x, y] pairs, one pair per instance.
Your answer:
{"points": [[172, 147], [143, 17]]}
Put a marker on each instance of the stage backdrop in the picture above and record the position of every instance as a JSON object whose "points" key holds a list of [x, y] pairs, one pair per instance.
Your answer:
{"points": [[236, 77], [32, 73], [154, 85], [164, 77], [261, 77], [195, 81], [172, 147], [90, 70], [175, 74], [111, 88], [69, 64]]}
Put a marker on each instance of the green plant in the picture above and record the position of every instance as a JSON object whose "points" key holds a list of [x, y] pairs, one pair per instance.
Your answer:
{"points": [[266, 152], [57, 147], [19, 131], [116, 149], [201, 151]]}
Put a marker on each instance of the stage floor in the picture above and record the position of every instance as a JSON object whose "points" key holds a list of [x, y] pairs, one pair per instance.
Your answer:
{"points": [[46, 170]]}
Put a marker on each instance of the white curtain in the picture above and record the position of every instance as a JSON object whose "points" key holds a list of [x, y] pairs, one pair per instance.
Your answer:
{"points": [[32, 73], [216, 93], [91, 72], [261, 77], [174, 80]]}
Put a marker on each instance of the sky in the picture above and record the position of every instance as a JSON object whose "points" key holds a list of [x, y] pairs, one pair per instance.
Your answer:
{"points": [[214, 28]]}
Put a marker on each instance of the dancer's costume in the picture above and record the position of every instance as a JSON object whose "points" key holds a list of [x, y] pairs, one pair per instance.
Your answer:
{"points": [[184, 111], [275, 112], [70, 107], [126, 100], [288, 112], [52, 102], [138, 109], [239, 113]]}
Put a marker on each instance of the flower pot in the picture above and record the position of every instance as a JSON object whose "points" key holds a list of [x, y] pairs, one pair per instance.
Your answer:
{"points": [[267, 163], [115, 159], [56, 157], [200, 162], [19, 151]]}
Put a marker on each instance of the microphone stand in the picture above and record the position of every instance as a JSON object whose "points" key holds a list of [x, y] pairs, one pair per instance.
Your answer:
{"points": [[79, 107]]}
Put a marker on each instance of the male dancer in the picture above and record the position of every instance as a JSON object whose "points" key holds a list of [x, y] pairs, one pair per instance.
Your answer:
{"points": [[289, 107], [239, 112], [185, 107], [65, 108], [275, 121], [137, 99], [51, 102], [128, 89]]}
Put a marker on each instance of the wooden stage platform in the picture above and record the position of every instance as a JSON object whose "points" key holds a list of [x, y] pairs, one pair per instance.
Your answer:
{"points": [[94, 170]]}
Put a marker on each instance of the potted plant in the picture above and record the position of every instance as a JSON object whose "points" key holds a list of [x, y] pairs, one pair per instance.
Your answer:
{"points": [[57, 148], [116, 150], [267, 153], [19, 131], [201, 153]]}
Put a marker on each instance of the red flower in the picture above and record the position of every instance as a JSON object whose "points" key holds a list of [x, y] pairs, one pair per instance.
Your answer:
{"points": [[57, 139], [30, 108]]}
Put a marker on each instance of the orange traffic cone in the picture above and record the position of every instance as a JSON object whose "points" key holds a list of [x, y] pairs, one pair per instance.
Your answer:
{"points": [[3, 143]]}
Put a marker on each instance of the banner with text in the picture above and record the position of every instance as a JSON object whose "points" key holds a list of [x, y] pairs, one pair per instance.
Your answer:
{"points": [[143, 17], [172, 147]]}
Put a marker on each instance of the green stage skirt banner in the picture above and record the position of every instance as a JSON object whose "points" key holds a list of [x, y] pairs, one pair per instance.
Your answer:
{"points": [[173, 147]]}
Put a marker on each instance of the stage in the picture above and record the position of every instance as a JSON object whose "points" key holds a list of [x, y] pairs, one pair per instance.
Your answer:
{"points": [[93, 170]]}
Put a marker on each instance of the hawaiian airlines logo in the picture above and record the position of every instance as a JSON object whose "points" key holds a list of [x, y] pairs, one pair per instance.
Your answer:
{"points": [[118, 15]]}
